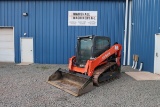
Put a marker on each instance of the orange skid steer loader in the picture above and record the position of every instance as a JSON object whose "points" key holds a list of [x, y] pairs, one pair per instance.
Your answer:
{"points": [[95, 62]]}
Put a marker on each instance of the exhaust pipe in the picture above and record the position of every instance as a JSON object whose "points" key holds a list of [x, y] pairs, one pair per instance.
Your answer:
{"points": [[141, 66]]}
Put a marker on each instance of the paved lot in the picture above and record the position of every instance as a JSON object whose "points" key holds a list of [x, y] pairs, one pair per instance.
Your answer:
{"points": [[25, 86]]}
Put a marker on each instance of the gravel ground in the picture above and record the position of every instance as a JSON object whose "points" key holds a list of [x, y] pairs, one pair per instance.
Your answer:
{"points": [[25, 86]]}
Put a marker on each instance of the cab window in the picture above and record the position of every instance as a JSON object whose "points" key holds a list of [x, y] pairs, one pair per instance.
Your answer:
{"points": [[101, 43]]}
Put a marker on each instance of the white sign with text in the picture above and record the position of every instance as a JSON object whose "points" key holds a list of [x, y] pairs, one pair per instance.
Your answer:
{"points": [[82, 18]]}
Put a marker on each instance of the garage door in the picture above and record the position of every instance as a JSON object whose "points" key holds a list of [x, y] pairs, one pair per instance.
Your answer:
{"points": [[6, 45]]}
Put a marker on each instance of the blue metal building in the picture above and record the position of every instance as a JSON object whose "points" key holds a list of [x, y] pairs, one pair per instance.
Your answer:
{"points": [[145, 24], [132, 23], [47, 23]]}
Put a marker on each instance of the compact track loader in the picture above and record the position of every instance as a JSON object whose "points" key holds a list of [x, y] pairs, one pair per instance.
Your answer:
{"points": [[95, 62]]}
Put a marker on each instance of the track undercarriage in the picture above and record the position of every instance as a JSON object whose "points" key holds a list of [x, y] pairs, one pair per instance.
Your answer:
{"points": [[106, 72]]}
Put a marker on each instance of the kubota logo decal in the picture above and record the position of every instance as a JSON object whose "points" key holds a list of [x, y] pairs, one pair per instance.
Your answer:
{"points": [[106, 55]]}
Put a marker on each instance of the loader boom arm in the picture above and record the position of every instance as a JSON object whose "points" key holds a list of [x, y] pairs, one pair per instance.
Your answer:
{"points": [[93, 63]]}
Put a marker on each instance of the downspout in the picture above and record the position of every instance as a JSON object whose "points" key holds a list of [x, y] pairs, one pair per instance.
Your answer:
{"points": [[129, 32], [125, 35]]}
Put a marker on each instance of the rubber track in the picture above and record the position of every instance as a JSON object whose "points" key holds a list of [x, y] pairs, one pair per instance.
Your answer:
{"points": [[101, 70]]}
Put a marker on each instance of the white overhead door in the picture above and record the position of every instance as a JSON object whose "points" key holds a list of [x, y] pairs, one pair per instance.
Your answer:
{"points": [[6, 45]]}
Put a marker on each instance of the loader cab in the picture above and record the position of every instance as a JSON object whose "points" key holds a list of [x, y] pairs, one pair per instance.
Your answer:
{"points": [[89, 47]]}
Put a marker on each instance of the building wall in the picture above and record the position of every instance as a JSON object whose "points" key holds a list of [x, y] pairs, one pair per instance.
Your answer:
{"points": [[145, 24], [47, 23]]}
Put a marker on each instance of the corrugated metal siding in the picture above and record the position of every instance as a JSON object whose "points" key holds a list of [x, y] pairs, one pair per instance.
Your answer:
{"points": [[146, 21], [47, 23]]}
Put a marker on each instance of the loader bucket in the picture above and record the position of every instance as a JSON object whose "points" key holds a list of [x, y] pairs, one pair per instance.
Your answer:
{"points": [[73, 83]]}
